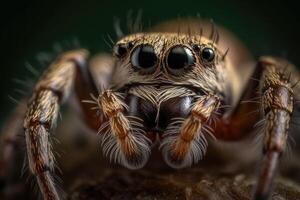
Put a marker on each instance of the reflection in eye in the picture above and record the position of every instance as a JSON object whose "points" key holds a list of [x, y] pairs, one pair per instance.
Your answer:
{"points": [[180, 57], [143, 57], [207, 54]]}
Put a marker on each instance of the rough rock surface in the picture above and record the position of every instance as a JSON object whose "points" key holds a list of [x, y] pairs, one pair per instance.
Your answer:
{"points": [[170, 185]]}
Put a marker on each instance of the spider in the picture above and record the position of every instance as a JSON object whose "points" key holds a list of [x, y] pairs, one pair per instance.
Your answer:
{"points": [[175, 85]]}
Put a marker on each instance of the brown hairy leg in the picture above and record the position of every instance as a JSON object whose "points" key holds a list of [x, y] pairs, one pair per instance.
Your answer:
{"points": [[277, 83], [124, 138], [190, 145], [12, 155], [52, 89], [277, 105]]}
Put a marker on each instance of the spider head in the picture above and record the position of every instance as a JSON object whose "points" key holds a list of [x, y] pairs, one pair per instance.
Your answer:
{"points": [[181, 59]]}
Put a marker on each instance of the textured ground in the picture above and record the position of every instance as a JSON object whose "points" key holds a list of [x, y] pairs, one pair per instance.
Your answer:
{"points": [[195, 184]]}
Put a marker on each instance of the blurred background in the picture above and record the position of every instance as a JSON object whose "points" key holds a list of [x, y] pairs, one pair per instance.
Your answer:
{"points": [[31, 27]]}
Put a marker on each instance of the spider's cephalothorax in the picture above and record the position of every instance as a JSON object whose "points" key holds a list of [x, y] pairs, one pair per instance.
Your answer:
{"points": [[173, 86], [166, 87]]}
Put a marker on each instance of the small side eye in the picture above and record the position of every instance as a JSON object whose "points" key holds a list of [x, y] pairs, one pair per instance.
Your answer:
{"points": [[180, 57], [120, 50], [196, 47], [143, 57], [207, 54]]}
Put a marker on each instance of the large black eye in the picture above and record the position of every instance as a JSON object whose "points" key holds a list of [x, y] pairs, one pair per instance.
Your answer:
{"points": [[207, 54], [180, 57], [143, 57]]}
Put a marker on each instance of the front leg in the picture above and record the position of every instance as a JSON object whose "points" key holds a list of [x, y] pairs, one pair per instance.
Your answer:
{"points": [[190, 145], [52, 89], [124, 139], [277, 104]]}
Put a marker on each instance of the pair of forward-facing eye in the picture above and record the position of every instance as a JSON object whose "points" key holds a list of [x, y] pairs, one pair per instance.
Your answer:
{"points": [[178, 58]]}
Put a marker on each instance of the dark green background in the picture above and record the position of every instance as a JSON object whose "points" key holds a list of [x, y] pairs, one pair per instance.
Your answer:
{"points": [[30, 27]]}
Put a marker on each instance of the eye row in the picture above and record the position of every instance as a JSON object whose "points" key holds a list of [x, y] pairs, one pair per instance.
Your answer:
{"points": [[179, 57]]}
